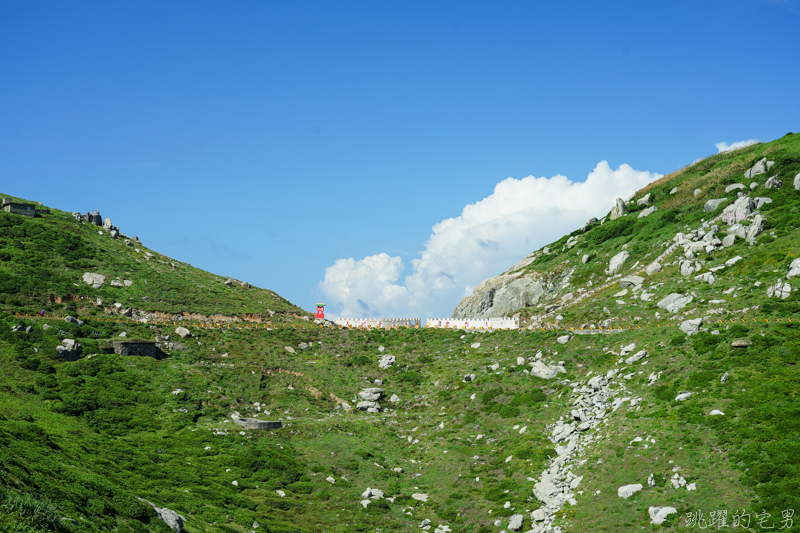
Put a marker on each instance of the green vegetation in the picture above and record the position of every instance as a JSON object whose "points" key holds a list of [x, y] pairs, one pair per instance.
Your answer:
{"points": [[84, 443]]}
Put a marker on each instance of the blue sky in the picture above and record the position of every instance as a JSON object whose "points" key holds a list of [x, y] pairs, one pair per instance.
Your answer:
{"points": [[358, 153]]}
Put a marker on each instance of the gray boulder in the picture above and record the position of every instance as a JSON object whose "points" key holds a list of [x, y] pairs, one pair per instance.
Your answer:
{"points": [[761, 201], [515, 522], [615, 265], [674, 302], [644, 200], [728, 241], [372, 394], [758, 168], [755, 229], [735, 186], [173, 520], [797, 181], [107, 224], [73, 320], [631, 281], [738, 230], [690, 327], [564, 339], [541, 370], [673, 190], [742, 208], [386, 361], [370, 407], [794, 269], [618, 210], [182, 332], [627, 491], [779, 290], [712, 205], [94, 279], [773, 183], [698, 192], [585, 259], [659, 514], [652, 268], [647, 212], [69, 350], [638, 356], [127, 242]]}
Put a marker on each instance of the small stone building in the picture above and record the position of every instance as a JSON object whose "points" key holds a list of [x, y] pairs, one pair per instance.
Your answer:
{"points": [[18, 208], [255, 423], [137, 347]]}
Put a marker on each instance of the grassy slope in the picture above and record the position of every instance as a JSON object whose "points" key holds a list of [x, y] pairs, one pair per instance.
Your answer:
{"points": [[110, 429]]}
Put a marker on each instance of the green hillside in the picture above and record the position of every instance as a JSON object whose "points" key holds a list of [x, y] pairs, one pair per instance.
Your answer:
{"points": [[82, 441]]}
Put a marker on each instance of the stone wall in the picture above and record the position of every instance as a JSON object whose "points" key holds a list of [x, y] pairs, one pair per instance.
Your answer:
{"points": [[145, 348], [381, 323]]}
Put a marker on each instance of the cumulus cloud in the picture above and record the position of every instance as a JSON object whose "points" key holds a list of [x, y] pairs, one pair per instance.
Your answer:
{"points": [[489, 236], [725, 147]]}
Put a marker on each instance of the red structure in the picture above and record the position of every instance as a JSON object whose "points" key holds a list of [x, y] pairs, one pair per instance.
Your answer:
{"points": [[320, 311]]}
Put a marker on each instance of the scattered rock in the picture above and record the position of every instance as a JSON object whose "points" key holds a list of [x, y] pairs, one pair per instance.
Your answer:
{"points": [[627, 491], [370, 407], [371, 394], [94, 279], [733, 260], [618, 210], [420, 497], [794, 269], [698, 192], [659, 514], [644, 200], [637, 357], [386, 361], [381, 349], [779, 290], [741, 343], [515, 522], [682, 396], [564, 339], [541, 370], [182, 332], [394, 398], [631, 281], [615, 265], [69, 350], [585, 259], [652, 268], [647, 212], [73, 320], [723, 378], [773, 183], [716, 412], [673, 190], [280, 493], [674, 302], [468, 378], [735, 186], [712, 205], [690, 327], [728, 240], [289, 349], [475, 345], [797, 181], [756, 169]]}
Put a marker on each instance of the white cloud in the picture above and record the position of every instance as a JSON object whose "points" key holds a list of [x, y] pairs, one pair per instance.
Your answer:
{"points": [[520, 216], [725, 147]]}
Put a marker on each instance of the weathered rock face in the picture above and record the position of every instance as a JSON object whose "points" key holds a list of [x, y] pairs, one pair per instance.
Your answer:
{"points": [[755, 229], [618, 210], [740, 209], [759, 168], [505, 294]]}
